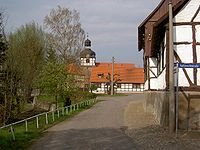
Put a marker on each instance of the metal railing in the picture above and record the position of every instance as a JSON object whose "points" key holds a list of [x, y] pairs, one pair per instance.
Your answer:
{"points": [[60, 111]]}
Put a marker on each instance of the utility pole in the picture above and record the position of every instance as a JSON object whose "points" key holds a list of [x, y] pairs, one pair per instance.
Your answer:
{"points": [[112, 77], [171, 73]]}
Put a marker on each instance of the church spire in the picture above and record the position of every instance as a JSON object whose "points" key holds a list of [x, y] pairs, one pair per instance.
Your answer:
{"points": [[87, 42]]}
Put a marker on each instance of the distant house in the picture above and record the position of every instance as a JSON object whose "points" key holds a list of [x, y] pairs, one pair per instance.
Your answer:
{"points": [[78, 75], [127, 77], [153, 39]]}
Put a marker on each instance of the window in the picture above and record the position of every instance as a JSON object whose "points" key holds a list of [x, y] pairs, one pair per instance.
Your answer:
{"points": [[100, 75], [118, 85], [87, 60], [161, 63]]}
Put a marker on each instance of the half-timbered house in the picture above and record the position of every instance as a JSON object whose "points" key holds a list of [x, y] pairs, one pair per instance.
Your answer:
{"points": [[153, 39], [127, 77]]}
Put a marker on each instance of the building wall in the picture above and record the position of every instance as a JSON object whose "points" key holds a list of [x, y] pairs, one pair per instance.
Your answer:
{"points": [[182, 34], [188, 11], [120, 88], [189, 102], [84, 61], [189, 108]]}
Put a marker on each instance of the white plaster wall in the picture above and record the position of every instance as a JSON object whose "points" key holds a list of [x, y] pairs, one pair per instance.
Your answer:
{"points": [[187, 12], [198, 32], [197, 19], [182, 78], [153, 62], [154, 84], [183, 33], [184, 52], [146, 85], [161, 80], [186, 55], [154, 70]]}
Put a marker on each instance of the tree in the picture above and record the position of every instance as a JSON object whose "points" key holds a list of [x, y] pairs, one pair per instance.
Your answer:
{"points": [[55, 80], [25, 58], [115, 80], [66, 35], [3, 48], [93, 87]]}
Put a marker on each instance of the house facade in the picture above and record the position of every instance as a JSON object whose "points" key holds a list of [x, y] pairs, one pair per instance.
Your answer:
{"points": [[153, 39], [127, 77]]}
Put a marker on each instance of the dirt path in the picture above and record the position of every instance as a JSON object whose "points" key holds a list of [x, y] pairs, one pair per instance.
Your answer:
{"points": [[101, 127]]}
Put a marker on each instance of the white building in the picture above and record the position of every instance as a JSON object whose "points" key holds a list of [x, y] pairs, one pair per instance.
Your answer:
{"points": [[154, 40], [127, 77]]}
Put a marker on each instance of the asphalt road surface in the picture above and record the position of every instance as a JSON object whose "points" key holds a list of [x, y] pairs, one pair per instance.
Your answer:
{"points": [[99, 128]]}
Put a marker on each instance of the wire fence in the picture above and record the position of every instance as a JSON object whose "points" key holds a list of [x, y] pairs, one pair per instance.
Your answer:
{"points": [[45, 118]]}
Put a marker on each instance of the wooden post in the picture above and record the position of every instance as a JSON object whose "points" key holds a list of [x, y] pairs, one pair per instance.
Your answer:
{"points": [[171, 73], [58, 113], [112, 77], [37, 122], [46, 118], [12, 132], [53, 116], [26, 125]]}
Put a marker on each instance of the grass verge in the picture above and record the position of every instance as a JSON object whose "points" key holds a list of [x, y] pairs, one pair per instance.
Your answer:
{"points": [[24, 139]]}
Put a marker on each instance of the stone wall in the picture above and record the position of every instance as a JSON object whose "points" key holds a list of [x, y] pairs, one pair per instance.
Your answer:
{"points": [[44, 105], [157, 103], [189, 108]]}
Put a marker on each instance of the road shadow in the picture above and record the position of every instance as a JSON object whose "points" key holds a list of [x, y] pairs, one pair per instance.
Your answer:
{"points": [[86, 139]]}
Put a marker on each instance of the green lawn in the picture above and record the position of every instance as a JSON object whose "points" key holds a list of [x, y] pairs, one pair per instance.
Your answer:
{"points": [[23, 139]]}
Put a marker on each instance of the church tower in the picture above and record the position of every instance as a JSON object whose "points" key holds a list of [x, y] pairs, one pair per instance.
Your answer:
{"points": [[88, 57]]}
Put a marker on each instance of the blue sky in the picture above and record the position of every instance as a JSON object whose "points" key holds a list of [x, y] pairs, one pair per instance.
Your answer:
{"points": [[111, 24]]}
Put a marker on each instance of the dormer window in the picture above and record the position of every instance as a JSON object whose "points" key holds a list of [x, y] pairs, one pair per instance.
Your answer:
{"points": [[100, 75]]}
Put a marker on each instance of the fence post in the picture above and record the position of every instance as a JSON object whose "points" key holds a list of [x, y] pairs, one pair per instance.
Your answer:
{"points": [[37, 122], [67, 110], [12, 132], [77, 106], [63, 111], [58, 113], [70, 108], [53, 116], [46, 118], [26, 125]]}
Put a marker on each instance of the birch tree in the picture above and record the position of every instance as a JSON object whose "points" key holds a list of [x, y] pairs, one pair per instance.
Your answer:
{"points": [[65, 33]]}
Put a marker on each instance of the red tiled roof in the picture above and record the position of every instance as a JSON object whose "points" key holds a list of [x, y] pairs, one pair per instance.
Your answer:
{"points": [[75, 69], [128, 73]]}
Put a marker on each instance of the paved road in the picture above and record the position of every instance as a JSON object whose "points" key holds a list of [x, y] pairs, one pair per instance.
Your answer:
{"points": [[101, 127]]}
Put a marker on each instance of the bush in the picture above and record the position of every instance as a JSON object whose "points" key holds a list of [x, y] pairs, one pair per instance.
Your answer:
{"points": [[77, 96]]}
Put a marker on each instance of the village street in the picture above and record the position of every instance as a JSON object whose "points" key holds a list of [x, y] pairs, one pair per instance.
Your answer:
{"points": [[113, 123]]}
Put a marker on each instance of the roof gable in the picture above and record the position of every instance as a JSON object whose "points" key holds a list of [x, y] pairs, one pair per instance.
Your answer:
{"points": [[158, 16]]}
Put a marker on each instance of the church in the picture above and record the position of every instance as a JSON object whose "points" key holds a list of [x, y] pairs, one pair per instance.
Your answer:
{"points": [[127, 77]]}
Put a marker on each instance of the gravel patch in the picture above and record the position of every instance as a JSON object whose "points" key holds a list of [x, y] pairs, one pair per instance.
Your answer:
{"points": [[145, 131]]}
